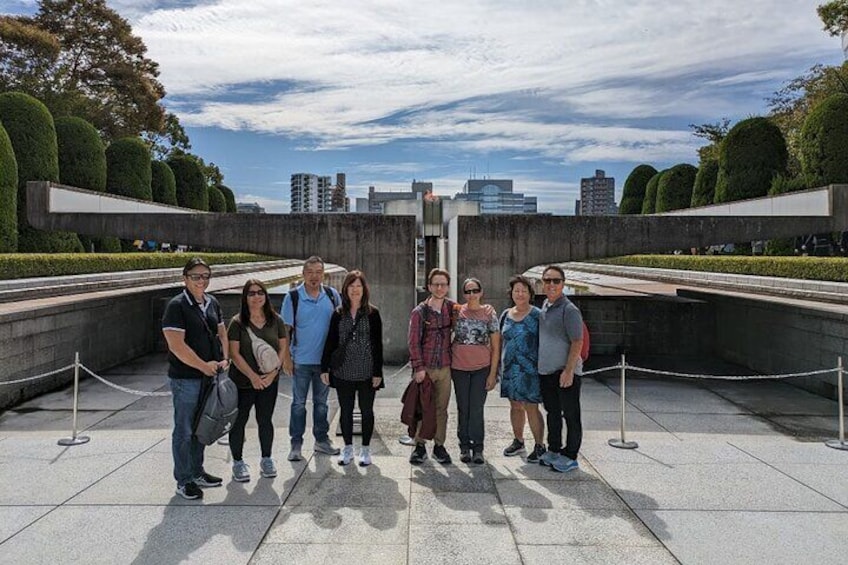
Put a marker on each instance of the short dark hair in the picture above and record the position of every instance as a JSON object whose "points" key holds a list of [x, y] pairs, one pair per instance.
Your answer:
{"points": [[195, 262], [556, 268], [435, 272], [520, 279]]}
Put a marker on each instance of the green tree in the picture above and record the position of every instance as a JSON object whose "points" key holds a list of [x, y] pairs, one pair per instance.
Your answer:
{"points": [[649, 204], [230, 197], [834, 16], [715, 134], [171, 141], [33, 136], [753, 152], [27, 57], [674, 189], [128, 168], [217, 203], [824, 142], [8, 195], [163, 183], [634, 189], [191, 186], [82, 158], [703, 192]]}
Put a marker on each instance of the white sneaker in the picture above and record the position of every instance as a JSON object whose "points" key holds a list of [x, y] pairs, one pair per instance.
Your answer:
{"points": [[364, 456], [346, 456]]}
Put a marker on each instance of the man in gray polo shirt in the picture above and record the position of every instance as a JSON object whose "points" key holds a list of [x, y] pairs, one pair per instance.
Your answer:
{"points": [[560, 366]]}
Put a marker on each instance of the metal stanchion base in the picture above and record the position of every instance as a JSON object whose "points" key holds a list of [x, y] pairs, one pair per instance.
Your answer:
{"points": [[79, 440], [836, 444], [623, 444]]}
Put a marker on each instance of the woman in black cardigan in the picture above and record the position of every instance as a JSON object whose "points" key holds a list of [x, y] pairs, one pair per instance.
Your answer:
{"points": [[353, 355]]}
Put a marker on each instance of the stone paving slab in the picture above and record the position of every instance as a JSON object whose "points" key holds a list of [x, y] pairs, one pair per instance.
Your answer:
{"points": [[516, 468], [829, 480], [456, 508], [15, 518], [655, 451], [664, 397], [724, 424], [462, 543], [779, 449], [328, 525], [58, 421], [579, 527], [594, 555], [276, 553], [563, 495], [434, 477], [376, 492]]}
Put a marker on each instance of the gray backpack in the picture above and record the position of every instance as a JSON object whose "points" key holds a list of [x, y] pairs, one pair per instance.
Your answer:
{"points": [[218, 409]]}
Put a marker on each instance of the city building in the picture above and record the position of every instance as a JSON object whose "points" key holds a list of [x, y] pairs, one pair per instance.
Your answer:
{"points": [[310, 193], [597, 195], [376, 201], [496, 197], [249, 208], [339, 202]]}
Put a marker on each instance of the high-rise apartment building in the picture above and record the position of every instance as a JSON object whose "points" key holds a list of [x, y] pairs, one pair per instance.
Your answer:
{"points": [[310, 193], [497, 197], [597, 195]]}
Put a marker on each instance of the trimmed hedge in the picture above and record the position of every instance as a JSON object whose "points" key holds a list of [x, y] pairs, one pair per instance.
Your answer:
{"points": [[82, 157], [649, 204], [191, 186], [634, 189], [217, 203], [230, 197], [753, 152], [703, 192], [8, 195], [811, 268], [19, 265], [674, 189], [163, 183], [128, 168], [824, 142]]}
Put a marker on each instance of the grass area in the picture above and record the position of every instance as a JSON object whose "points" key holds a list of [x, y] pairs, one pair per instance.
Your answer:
{"points": [[25, 265], [813, 268]]}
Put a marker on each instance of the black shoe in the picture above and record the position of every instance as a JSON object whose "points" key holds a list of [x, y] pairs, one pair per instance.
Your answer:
{"points": [[514, 448], [465, 455], [441, 455], [190, 491], [205, 480], [478, 458], [419, 454], [538, 451]]}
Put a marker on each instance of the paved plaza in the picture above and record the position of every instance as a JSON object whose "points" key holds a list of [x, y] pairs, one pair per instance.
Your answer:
{"points": [[726, 472]]}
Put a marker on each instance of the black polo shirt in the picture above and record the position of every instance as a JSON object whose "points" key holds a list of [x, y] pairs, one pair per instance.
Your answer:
{"points": [[184, 314]]}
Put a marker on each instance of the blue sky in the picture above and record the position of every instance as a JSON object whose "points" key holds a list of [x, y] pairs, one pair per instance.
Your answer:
{"points": [[541, 92]]}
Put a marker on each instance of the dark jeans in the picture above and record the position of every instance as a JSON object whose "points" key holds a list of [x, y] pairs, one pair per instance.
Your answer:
{"points": [[264, 400], [470, 388], [186, 450], [347, 391], [562, 403]]}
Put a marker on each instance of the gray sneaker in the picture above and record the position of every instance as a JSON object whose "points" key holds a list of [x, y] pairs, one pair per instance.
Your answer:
{"points": [[326, 447], [549, 458], [294, 454], [241, 472], [267, 468]]}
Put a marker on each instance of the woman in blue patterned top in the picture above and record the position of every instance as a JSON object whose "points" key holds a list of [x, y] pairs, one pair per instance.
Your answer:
{"points": [[519, 375]]}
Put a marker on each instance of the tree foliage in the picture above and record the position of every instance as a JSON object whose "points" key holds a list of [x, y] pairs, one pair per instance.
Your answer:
{"points": [[824, 142], [715, 134], [649, 204], [128, 168], [753, 152], [82, 157], [163, 183], [191, 186], [674, 189], [703, 192], [27, 56], [217, 202], [634, 189], [834, 16], [230, 197], [8, 195]]}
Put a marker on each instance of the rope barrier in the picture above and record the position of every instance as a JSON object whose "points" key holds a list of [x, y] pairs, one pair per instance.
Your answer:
{"points": [[121, 388], [36, 377], [731, 377]]}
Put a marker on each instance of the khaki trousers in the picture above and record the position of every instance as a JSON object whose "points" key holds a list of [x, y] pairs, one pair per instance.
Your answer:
{"points": [[441, 378]]}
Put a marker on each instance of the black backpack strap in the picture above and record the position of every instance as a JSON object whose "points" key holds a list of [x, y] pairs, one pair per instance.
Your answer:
{"points": [[502, 319], [295, 297], [330, 295]]}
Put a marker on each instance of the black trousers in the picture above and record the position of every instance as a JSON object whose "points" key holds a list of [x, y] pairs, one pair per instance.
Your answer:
{"points": [[264, 400], [562, 403], [470, 389], [347, 391]]}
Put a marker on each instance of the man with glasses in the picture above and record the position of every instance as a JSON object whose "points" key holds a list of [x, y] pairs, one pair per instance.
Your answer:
{"points": [[308, 325], [197, 348], [560, 366]]}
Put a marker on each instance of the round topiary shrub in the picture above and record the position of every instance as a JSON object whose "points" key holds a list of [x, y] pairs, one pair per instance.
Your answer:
{"points": [[217, 203], [191, 186], [230, 197], [82, 158], [674, 189], [649, 204], [33, 136], [8, 195], [163, 183], [753, 152], [634, 189], [128, 168], [703, 192], [824, 142]]}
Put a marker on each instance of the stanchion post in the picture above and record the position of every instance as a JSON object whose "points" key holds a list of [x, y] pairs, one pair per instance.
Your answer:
{"points": [[840, 398], [75, 439], [621, 442]]}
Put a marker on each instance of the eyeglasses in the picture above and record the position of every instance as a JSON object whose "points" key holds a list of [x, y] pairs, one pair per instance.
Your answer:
{"points": [[197, 278], [472, 291], [252, 293], [552, 281], [439, 285]]}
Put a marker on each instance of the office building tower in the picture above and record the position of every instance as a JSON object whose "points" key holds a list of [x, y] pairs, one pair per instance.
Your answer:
{"points": [[310, 193], [597, 195], [497, 197]]}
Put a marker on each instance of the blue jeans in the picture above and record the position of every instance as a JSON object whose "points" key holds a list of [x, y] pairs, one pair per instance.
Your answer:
{"points": [[304, 375], [187, 451]]}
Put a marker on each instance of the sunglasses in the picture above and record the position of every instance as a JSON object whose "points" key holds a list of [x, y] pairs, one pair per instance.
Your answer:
{"points": [[552, 281], [252, 293], [472, 291], [196, 278]]}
